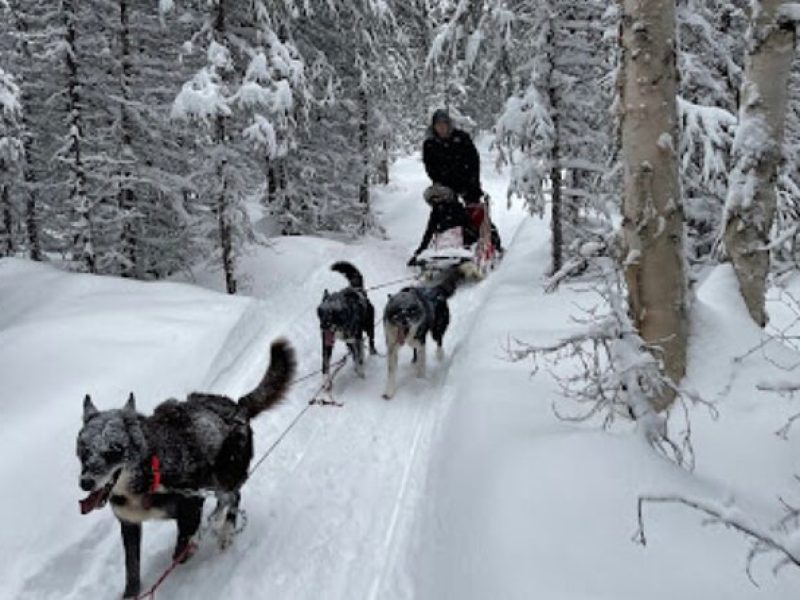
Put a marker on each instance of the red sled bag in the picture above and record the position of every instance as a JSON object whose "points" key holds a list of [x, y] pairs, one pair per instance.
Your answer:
{"points": [[476, 213]]}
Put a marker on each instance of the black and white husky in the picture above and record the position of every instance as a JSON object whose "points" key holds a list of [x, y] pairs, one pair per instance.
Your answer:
{"points": [[157, 467], [410, 315], [346, 315]]}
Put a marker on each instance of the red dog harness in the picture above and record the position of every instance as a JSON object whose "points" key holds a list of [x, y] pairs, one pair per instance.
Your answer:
{"points": [[155, 465]]}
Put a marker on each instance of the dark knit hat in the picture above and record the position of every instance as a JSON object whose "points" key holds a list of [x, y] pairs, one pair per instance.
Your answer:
{"points": [[441, 116]]}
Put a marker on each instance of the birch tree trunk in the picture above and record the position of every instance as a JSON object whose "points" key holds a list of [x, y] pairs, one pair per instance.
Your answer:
{"points": [[757, 149], [652, 210]]}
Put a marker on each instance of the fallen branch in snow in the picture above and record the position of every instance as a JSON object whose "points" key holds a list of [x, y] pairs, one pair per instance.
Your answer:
{"points": [[784, 539], [590, 254], [788, 335], [618, 374]]}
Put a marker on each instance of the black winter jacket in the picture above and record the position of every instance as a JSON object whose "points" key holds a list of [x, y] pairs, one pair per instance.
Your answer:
{"points": [[444, 216], [454, 162]]}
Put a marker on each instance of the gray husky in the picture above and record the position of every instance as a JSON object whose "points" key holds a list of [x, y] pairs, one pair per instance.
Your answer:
{"points": [[347, 315], [159, 467], [410, 315]]}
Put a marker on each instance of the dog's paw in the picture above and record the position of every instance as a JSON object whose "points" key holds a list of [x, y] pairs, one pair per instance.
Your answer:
{"points": [[225, 537], [387, 395], [131, 591], [184, 552], [439, 353]]}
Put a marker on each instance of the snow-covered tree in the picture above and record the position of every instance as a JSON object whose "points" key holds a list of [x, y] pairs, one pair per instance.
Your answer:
{"points": [[346, 136], [70, 152], [710, 51], [552, 63], [11, 155], [24, 29], [243, 93]]}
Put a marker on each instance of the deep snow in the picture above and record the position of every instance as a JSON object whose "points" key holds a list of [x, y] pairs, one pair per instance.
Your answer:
{"points": [[464, 486]]}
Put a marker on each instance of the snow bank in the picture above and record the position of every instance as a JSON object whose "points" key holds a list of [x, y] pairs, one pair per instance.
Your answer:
{"points": [[62, 336]]}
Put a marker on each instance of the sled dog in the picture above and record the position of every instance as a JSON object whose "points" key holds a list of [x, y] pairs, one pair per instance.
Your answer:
{"points": [[347, 315], [410, 315], [161, 466]]}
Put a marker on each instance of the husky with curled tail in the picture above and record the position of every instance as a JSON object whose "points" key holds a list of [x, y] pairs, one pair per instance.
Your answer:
{"points": [[162, 466], [410, 315], [346, 315]]}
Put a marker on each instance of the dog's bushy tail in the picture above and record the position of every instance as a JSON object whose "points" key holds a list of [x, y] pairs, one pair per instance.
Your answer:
{"points": [[446, 285], [272, 388], [349, 270]]}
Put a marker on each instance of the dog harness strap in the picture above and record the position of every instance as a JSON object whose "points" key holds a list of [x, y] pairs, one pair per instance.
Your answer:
{"points": [[155, 465]]}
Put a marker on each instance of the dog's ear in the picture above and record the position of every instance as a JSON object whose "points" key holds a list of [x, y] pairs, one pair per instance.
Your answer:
{"points": [[89, 409], [130, 405], [325, 295]]}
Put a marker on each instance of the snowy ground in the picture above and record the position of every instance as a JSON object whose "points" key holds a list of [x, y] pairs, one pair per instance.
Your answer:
{"points": [[465, 486]]}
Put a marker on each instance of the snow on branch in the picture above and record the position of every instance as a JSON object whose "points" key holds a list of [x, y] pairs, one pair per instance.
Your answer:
{"points": [[10, 113], [526, 123], [9, 94], [783, 539], [707, 135], [789, 13], [201, 98], [164, 7]]}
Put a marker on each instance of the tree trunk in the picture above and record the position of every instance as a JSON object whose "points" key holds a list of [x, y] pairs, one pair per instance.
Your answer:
{"points": [[556, 180], [223, 208], [272, 183], [31, 216], [83, 243], [556, 221], [750, 208], [7, 247], [652, 210], [127, 199], [383, 167], [363, 138]]}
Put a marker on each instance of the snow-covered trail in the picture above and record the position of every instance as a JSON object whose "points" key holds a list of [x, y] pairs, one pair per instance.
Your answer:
{"points": [[326, 510]]}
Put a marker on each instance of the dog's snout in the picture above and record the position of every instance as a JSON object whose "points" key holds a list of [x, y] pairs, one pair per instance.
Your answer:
{"points": [[87, 484]]}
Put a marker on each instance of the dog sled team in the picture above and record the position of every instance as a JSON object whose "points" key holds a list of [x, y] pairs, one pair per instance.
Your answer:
{"points": [[163, 466]]}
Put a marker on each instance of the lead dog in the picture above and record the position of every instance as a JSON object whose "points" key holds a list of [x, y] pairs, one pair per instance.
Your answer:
{"points": [[347, 315], [149, 466], [410, 315]]}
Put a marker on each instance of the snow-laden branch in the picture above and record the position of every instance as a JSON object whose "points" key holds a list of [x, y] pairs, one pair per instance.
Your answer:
{"points": [[789, 13], [9, 95], [618, 375], [706, 138], [785, 539]]}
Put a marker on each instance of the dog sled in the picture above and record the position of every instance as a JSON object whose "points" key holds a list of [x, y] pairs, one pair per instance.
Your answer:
{"points": [[448, 248]]}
